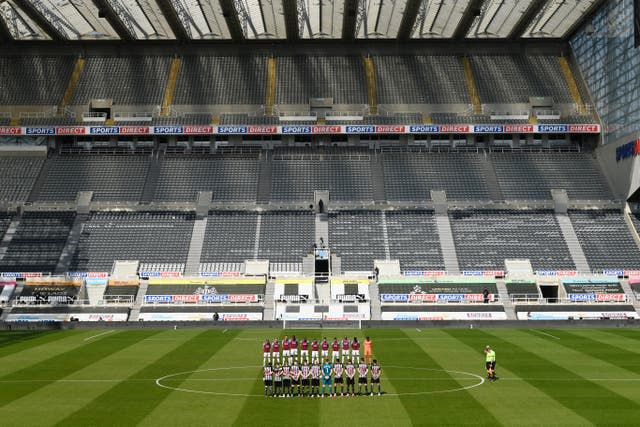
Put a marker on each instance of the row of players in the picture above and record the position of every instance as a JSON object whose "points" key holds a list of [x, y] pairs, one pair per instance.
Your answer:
{"points": [[344, 350], [304, 380]]}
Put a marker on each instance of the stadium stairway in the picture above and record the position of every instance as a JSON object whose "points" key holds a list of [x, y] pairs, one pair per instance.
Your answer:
{"points": [[264, 182], [471, 85], [269, 304], [377, 179], [509, 308], [256, 245], [573, 86], [192, 267], [72, 243], [8, 236], [39, 183], [577, 254], [446, 244], [374, 294], [631, 297], [323, 292], [153, 173], [137, 304], [16, 292], [322, 228], [385, 235], [489, 172]]}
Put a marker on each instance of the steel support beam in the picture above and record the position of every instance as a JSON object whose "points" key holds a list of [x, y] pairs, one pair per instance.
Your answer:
{"points": [[173, 20], [233, 21], [473, 9], [349, 20], [291, 19], [37, 17], [409, 19], [526, 18], [114, 20]]}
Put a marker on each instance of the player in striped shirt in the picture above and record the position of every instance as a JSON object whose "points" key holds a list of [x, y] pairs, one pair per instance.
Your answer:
{"points": [[315, 378], [363, 370], [375, 376], [268, 380], [306, 373], [295, 379], [350, 370], [338, 370], [286, 380], [286, 354], [277, 380]]}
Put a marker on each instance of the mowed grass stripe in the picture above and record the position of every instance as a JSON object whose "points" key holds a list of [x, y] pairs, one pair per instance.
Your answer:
{"points": [[606, 337], [633, 334], [588, 399], [244, 354], [435, 409], [59, 399], [129, 402], [12, 343], [276, 410], [606, 353], [62, 365], [459, 356]]}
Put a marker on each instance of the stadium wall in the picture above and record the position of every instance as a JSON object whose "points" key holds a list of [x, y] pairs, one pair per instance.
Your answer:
{"points": [[623, 173]]}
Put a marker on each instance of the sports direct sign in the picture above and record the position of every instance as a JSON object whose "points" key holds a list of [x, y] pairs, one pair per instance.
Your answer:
{"points": [[197, 298], [415, 297], [298, 130]]}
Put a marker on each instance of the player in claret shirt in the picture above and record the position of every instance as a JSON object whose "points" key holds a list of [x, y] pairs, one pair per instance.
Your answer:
{"points": [[314, 350], [355, 350], [268, 380], [286, 354], [275, 351], [350, 370], [345, 349], [325, 348], [338, 370], [304, 350], [306, 381], [363, 370], [295, 378], [335, 348], [293, 349], [315, 378], [375, 377], [266, 352]]}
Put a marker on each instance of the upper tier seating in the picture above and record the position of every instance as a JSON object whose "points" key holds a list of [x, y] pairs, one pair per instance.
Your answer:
{"points": [[420, 80], [485, 238], [605, 239], [231, 177], [127, 80], [345, 173], [34, 80], [454, 118], [48, 121], [229, 237], [150, 237], [38, 242], [357, 237], [525, 175], [411, 176], [300, 78], [515, 78], [109, 177], [17, 175], [413, 239], [287, 236], [221, 80]]}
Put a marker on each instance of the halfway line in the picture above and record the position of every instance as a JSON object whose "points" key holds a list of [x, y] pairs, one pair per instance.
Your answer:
{"points": [[95, 336], [544, 333]]}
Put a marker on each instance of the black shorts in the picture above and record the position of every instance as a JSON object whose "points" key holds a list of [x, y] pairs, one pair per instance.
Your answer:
{"points": [[268, 383], [278, 384], [338, 380], [491, 365], [286, 382], [375, 380], [315, 382], [351, 381], [305, 382], [362, 381], [295, 382]]}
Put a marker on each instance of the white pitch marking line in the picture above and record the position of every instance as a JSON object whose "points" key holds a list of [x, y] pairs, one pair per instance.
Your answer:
{"points": [[225, 331], [100, 334], [544, 333], [419, 330]]}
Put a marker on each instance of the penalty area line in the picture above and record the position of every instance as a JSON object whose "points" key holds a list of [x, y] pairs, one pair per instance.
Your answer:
{"points": [[544, 333], [98, 335]]}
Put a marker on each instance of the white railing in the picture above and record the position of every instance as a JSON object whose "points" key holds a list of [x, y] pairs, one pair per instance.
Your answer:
{"points": [[133, 116], [94, 117]]}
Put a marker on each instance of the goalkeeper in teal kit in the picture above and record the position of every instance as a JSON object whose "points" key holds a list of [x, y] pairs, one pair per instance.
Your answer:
{"points": [[327, 369]]}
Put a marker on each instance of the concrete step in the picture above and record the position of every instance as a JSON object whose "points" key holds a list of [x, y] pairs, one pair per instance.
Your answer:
{"points": [[575, 249], [192, 267], [374, 294], [64, 263], [137, 305], [447, 245]]}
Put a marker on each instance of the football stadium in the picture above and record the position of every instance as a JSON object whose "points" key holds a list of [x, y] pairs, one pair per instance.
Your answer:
{"points": [[319, 212]]}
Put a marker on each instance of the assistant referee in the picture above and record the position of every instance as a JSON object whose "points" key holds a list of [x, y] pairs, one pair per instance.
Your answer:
{"points": [[490, 363]]}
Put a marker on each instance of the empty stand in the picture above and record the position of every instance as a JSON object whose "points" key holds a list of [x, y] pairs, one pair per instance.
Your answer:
{"points": [[229, 237], [150, 237], [230, 177], [413, 239], [297, 173], [412, 175], [18, 175], [110, 177], [127, 80], [286, 236], [532, 175], [221, 80], [357, 237], [485, 238], [300, 78], [605, 239], [38, 242], [34, 80], [420, 80]]}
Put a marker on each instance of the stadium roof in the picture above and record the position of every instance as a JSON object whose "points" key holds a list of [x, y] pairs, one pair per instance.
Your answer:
{"points": [[290, 19]]}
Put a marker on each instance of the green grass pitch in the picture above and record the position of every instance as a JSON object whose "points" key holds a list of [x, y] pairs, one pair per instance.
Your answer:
{"points": [[213, 378]]}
